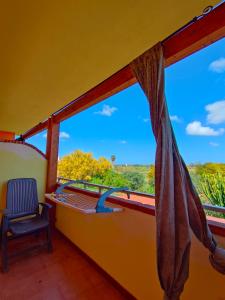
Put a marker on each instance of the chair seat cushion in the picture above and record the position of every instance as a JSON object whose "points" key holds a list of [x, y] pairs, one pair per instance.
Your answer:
{"points": [[28, 226]]}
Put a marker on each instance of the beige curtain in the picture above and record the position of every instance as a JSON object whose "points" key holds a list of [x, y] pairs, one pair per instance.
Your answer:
{"points": [[178, 206]]}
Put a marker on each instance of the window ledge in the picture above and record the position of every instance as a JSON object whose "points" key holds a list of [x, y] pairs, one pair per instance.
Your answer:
{"points": [[217, 225]]}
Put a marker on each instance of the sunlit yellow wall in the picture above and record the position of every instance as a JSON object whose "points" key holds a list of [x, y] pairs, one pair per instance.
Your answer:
{"points": [[21, 161], [123, 244]]}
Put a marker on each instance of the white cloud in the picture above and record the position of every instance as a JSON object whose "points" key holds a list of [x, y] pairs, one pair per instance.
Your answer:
{"points": [[123, 142], [175, 118], [216, 112], [196, 128], [213, 144], [146, 120], [62, 135], [218, 65], [107, 111]]}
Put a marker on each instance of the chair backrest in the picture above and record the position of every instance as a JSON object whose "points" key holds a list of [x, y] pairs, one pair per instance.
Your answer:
{"points": [[22, 196]]}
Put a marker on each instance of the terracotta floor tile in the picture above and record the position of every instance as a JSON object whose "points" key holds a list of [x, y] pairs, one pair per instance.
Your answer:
{"points": [[62, 275]]}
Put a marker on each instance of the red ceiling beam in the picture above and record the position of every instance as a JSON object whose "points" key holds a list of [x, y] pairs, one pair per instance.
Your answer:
{"points": [[199, 34], [114, 84], [195, 36], [34, 130]]}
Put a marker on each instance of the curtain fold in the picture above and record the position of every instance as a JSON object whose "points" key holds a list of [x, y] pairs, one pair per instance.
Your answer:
{"points": [[178, 206]]}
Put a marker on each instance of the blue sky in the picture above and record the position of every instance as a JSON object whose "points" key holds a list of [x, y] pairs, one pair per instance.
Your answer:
{"points": [[120, 125]]}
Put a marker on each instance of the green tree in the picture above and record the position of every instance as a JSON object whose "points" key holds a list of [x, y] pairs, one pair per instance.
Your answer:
{"points": [[111, 178], [151, 180], [82, 166], [136, 180], [102, 166], [213, 187], [210, 168], [199, 172], [151, 174]]}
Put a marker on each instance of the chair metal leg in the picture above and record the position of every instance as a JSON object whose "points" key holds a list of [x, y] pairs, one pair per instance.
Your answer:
{"points": [[49, 239], [4, 253]]}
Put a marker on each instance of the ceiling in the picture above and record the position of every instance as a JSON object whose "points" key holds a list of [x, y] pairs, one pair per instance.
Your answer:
{"points": [[54, 51]]}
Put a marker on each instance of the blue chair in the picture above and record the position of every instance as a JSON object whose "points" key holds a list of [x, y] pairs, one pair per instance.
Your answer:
{"points": [[22, 202]]}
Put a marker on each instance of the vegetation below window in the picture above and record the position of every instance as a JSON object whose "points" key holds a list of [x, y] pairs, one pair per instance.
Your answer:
{"points": [[83, 166], [208, 178], [210, 181]]}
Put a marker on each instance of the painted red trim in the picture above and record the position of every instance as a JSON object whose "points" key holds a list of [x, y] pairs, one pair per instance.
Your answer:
{"points": [[7, 135], [52, 148], [200, 34], [34, 130], [216, 227], [114, 84], [25, 144], [217, 230], [127, 295]]}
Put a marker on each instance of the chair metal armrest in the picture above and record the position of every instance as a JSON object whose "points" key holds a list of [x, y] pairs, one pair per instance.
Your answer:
{"points": [[45, 209], [13, 216]]}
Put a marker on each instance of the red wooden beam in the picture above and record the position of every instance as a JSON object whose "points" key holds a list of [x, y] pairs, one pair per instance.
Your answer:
{"points": [[34, 130], [114, 84], [52, 158], [205, 31], [52, 154], [188, 40], [197, 35]]}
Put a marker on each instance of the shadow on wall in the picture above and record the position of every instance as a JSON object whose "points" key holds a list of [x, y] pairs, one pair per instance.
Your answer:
{"points": [[19, 160]]}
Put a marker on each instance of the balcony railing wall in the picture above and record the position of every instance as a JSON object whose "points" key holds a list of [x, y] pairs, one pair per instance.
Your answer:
{"points": [[100, 188], [123, 245]]}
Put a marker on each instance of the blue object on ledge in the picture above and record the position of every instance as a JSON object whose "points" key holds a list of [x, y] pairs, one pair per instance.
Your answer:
{"points": [[62, 186], [100, 207]]}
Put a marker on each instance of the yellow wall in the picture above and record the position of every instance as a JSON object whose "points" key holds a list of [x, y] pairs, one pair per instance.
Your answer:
{"points": [[21, 161], [123, 244], [54, 51]]}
